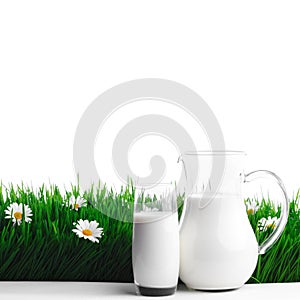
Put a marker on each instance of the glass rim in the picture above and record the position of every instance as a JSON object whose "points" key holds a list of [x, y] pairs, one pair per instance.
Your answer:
{"points": [[215, 152], [156, 184]]}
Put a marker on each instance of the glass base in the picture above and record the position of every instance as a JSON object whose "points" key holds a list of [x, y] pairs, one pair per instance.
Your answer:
{"points": [[155, 292]]}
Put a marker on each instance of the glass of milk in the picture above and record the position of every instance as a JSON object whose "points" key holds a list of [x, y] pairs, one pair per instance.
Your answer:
{"points": [[155, 242]]}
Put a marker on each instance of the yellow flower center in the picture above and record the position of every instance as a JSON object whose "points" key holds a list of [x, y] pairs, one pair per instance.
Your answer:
{"points": [[76, 205], [250, 211], [272, 226], [18, 215], [87, 232]]}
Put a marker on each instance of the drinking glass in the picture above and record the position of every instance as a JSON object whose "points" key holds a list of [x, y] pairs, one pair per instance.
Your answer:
{"points": [[155, 243]]}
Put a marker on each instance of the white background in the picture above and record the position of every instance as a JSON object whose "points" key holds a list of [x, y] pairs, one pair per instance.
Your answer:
{"points": [[56, 57]]}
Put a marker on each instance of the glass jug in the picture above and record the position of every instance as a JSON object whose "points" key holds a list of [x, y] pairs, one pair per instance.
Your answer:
{"points": [[218, 248]]}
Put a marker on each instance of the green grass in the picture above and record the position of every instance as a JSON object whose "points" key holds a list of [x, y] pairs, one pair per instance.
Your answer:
{"points": [[47, 249], [282, 262]]}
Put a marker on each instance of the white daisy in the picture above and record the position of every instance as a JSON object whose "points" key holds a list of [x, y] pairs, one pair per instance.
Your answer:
{"points": [[264, 224], [17, 214], [252, 207], [77, 203], [88, 230]]}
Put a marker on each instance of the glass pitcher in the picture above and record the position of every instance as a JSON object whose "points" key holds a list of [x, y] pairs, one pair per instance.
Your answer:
{"points": [[218, 248]]}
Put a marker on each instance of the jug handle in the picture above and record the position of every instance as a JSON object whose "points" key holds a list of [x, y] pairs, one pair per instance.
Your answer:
{"points": [[275, 235]]}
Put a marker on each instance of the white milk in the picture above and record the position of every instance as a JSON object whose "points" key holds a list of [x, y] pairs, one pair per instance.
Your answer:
{"points": [[218, 249], [155, 249]]}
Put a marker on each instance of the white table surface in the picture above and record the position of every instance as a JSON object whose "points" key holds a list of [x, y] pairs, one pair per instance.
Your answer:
{"points": [[101, 290]]}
